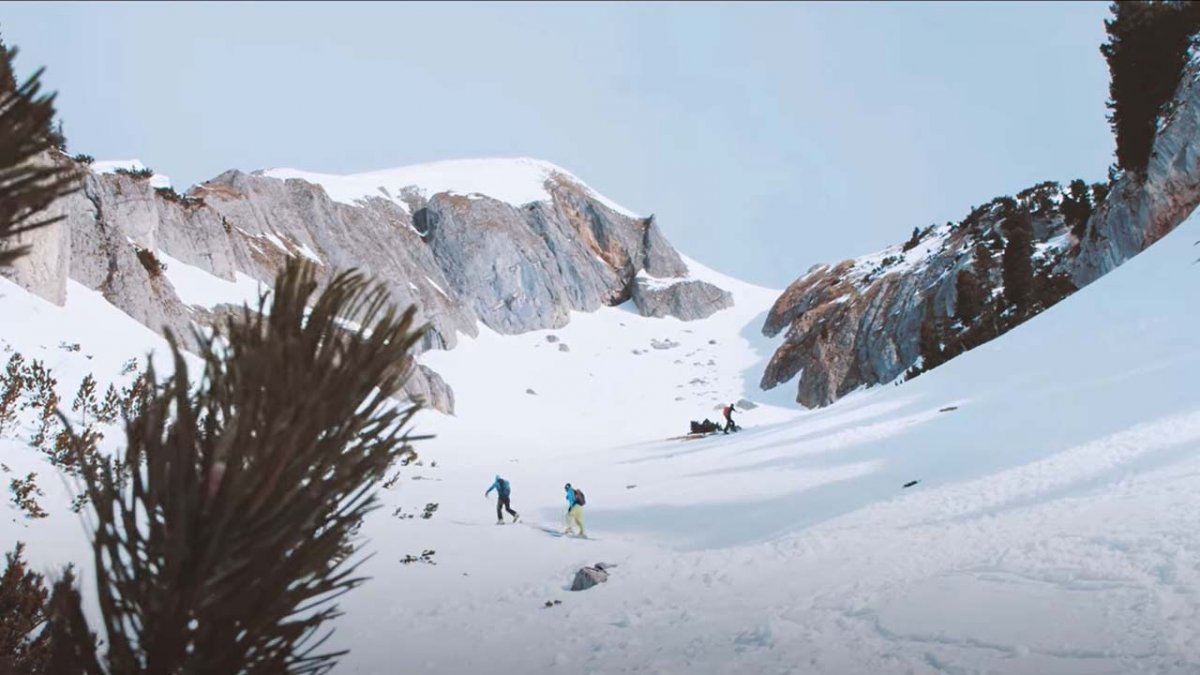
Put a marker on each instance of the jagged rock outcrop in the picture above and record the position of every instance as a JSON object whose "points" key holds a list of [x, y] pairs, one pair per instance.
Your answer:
{"points": [[96, 243], [1141, 210], [42, 270], [686, 300], [424, 383], [859, 323], [461, 259]]}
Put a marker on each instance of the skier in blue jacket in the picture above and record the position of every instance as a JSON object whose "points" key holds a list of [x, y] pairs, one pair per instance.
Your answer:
{"points": [[502, 489], [575, 502]]}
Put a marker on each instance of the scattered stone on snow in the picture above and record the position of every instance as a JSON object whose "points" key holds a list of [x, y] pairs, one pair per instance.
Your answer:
{"points": [[587, 577]]}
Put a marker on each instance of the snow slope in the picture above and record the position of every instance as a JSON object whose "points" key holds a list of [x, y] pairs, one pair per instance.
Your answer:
{"points": [[194, 286], [587, 396], [85, 336], [514, 180], [1053, 530], [608, 377]]}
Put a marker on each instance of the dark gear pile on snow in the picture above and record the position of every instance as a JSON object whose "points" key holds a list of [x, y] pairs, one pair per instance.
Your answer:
{"points": [[705, 427]]}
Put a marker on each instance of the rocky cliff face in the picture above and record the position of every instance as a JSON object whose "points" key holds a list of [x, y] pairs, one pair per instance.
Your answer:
{"points": [[1141, 211], [859, 323], [548, 245]]}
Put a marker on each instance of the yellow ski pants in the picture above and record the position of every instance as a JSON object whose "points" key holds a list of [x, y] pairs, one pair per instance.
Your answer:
{"points": [[575, 517]]}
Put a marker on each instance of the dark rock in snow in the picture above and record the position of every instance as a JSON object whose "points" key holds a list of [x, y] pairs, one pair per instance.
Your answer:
{"points": [[587, 577], [686, 299]]}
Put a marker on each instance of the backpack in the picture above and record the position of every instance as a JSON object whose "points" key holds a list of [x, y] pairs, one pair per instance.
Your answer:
{"points": [[579, 500], [503, 489]]}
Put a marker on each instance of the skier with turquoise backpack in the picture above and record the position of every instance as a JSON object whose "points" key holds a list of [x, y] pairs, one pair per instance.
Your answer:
{"points": [[503, 490], [575, 502]]}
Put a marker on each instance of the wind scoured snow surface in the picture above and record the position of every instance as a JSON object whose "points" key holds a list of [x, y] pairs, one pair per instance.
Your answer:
{"points": [[1053, 530], [516, 181]]}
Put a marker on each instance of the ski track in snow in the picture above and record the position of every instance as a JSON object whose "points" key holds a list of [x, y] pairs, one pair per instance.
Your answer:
{"points": [[1054, 528]]}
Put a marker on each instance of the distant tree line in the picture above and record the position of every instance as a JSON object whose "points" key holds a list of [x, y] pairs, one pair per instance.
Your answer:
{"points": [[1003, 257]]}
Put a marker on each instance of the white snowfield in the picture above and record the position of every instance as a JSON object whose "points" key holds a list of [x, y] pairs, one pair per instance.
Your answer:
{"points": [[1055, 527], [517, 181]]}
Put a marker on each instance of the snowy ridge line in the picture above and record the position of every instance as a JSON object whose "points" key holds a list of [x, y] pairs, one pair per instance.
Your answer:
{"points": [[157, 180], [516, 181]]}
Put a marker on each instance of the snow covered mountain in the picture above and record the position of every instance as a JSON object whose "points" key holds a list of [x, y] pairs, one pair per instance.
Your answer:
{"points": [[1025, 508], [1052, 529], [513, 244], [860, 322]]}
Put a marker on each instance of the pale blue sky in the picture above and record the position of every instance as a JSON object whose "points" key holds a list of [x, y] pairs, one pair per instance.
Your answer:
{"points": [[766, 137]]}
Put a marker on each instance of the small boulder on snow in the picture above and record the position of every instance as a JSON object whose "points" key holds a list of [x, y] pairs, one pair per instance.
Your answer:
{"points": [[551, 339], [686, 299], [587, 577], [562, 347]]}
